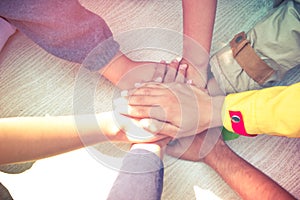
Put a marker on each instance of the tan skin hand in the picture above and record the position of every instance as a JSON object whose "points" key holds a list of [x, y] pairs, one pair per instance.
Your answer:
{"points": [[192, 148], [171, 103], [197, 76]]}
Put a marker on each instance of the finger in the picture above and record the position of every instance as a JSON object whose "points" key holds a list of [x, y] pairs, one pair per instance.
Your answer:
{"points": [[159, 127], [146, 100], [181, 73], [159, 72], [171, 71], [155, 112], [132, 128], [145, 91]]}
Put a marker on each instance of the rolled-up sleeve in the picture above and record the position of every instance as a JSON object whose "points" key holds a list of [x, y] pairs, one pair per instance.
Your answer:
{"points": [[272, 111]]}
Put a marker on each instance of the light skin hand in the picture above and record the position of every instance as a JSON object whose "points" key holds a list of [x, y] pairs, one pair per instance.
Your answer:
{"points": [[240, 175], [124, 129]]}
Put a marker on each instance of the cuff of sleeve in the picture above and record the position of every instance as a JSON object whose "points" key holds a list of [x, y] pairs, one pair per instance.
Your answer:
{"points": [[239, 114], [141, 161], [101, 55]]}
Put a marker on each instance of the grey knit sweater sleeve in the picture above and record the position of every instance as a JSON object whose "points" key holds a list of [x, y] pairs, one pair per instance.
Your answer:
{"points": [[63, 28]]}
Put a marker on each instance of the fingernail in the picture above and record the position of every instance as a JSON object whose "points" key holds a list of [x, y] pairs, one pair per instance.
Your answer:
{"points": [[174, 61], [158, 79], [137, 85], [124, 93], [182, 66], [163, 62], [178, 59], [190, 82]]}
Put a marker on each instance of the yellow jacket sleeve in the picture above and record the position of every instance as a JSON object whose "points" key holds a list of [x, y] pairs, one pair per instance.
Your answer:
{"points": [[273, 111]]}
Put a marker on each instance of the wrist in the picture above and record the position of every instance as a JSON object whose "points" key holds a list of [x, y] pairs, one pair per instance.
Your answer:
{"points": [[216, 154], [117, 68], [217, 106], [194, 53]]}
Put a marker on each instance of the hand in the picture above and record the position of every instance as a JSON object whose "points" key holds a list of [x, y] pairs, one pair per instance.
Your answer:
{"points": [[174, 72], [173, 107], [117, 127], [141, 72], [196, 148], [196, 75]]}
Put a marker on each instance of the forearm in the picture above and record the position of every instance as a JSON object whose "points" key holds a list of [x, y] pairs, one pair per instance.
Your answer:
{"points": [[198, 21], [31, 138], [242, 177]]}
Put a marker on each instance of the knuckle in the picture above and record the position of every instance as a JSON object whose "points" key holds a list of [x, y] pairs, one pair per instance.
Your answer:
{"points": [[147, 91], [140, 112], [136, 100]]}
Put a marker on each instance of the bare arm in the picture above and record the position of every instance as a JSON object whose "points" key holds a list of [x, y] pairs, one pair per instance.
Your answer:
{"points": [[198, 23], [32, 138], [241, 176]]}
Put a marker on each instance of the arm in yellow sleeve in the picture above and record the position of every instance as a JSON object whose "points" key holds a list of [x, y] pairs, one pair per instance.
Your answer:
{"points": [[272, 111]]}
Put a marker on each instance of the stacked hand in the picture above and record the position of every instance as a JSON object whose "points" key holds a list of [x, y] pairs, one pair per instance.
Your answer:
{"points": [[170, 106], [171, 109], [133, 126]]}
